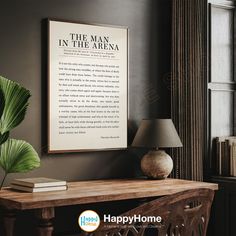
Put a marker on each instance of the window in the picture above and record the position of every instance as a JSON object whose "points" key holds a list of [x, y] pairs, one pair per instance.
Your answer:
{"points": [[222, 83]]}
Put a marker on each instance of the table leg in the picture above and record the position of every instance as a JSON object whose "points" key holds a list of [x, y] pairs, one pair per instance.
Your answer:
{"points": [[45, 216], [9, 218]]}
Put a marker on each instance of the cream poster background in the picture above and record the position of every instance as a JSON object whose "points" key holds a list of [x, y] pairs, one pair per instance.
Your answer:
{"points": [[87, 87]]}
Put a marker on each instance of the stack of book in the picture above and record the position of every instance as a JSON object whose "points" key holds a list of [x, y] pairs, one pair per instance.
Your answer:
{"points": [[39, 184], [226, 156]]}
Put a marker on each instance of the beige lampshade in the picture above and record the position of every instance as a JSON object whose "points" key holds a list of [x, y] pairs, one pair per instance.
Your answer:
{"points": [[157, 133]]}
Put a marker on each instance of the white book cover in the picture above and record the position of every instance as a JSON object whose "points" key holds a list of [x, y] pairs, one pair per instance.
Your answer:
{"points": [[39, 182], [37, 190]]}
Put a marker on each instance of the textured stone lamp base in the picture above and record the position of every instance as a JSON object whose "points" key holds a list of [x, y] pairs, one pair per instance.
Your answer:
{"points": [[157, 164]]}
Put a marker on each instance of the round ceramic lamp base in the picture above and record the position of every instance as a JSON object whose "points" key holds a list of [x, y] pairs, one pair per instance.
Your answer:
{"points": [[157, 164]]}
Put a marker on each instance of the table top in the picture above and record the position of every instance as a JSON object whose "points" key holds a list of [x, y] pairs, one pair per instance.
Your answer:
{"points": [[93, 191]]}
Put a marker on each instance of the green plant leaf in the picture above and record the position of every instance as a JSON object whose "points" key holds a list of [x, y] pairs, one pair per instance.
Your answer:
{"points": [[18, 156], [4, 137], [16, 102], [2, 102]]}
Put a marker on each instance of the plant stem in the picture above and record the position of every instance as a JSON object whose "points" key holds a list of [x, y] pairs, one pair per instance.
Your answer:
{"points": [[3, 181]]}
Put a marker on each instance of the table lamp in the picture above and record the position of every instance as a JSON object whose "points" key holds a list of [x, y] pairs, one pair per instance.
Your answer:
{"points": [[155, 134]]}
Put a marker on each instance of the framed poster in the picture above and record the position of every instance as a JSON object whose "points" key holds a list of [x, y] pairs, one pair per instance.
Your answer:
{"points": [[88, 79]]}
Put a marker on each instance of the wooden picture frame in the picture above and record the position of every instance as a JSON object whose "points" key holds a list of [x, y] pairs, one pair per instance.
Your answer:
{"points": [[87, 87]]}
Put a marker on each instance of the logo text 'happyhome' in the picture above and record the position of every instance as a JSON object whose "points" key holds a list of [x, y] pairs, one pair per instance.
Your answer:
{"points": [[131, 219]]}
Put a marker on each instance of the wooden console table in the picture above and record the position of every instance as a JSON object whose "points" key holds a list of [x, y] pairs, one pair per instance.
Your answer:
{"points": [[84, 192]]}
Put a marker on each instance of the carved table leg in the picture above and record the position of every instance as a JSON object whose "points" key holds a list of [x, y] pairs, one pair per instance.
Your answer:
{"points": [[45, 216], [9, 218]]}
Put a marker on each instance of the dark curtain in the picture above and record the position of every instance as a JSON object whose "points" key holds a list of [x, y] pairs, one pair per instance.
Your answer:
{"points": [[189, 81]]}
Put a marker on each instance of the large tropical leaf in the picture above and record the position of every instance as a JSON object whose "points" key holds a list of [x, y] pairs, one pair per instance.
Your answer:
{"points": [[18, 156], [4, 137], [2, 102], [16, 102]]}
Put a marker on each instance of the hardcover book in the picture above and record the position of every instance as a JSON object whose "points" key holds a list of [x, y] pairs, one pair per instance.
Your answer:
{"points": [[37, 190], [38, 182]]}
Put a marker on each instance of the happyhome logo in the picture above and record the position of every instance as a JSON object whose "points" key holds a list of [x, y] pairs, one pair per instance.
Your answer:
{"points": [[89, 221]]}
